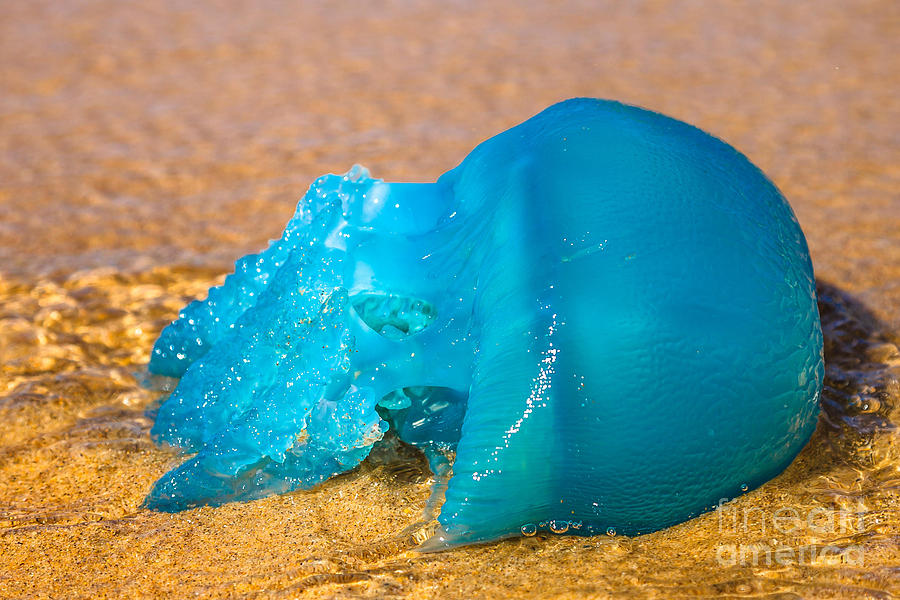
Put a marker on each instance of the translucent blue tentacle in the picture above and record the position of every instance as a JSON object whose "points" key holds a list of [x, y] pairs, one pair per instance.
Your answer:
{"points": [[204, 323]]}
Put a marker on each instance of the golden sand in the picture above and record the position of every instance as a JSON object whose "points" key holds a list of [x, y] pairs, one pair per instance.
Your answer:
{"points": [[145, 148]]}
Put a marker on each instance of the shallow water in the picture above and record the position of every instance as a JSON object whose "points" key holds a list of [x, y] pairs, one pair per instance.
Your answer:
{"points": [[144, 149], [76, 460]]}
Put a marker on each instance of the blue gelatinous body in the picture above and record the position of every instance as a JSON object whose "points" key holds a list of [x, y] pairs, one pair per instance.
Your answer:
{"points": [[603, 316]]}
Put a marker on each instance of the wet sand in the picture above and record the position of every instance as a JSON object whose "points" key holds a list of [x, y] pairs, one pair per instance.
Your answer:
{"points": [[143, 149]]}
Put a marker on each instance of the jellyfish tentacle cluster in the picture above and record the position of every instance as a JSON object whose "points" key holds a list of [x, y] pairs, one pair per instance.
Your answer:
{"points": [[604, 317], [302, 349]]}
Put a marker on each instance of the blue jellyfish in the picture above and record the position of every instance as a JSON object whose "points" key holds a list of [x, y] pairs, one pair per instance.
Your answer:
{"points": [[602, 318]]}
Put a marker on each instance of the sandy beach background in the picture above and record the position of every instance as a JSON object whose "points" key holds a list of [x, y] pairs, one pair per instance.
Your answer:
{"points": [[145, 146]]}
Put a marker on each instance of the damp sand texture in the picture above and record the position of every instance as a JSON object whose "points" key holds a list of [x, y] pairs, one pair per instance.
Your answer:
{"points": [[144, 148]]}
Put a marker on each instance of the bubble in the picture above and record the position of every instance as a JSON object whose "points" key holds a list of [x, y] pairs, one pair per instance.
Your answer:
{"points": [[611, 531], [529, 529], [744, 487], [558, 526]]}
